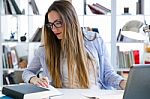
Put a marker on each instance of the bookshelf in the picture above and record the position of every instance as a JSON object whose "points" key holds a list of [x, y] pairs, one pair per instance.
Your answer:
{"points": [[137, 11], [14, 31], [26, 24]]}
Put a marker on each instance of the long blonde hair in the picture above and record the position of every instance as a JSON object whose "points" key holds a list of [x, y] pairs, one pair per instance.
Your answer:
{"points": [[72, 46]]}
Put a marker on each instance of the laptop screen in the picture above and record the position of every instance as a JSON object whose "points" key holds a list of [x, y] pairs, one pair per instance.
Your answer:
{"points": [[138, 83]]}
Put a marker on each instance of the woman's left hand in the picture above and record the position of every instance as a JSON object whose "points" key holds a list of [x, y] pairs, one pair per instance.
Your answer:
{"points": [[123, 84]]}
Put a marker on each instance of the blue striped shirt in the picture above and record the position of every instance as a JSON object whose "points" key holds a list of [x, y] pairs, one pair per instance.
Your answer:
{"points": [[107, 77]]}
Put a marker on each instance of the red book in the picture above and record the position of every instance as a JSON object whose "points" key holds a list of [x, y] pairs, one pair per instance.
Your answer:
{"points": [[136, 56]]}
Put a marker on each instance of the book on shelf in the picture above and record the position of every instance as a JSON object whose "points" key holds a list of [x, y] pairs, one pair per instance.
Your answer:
{"points": [[127, 58], [13, 56], [6, 57], [140, 7], [29, 91], [136, 56], [37, 35], [11, 7], [34, 7], [16, 7], [120, 36], [10, 59], [85, 7], [8, 6], [106, 10], [97, 8], [137, 8], [3, 60]]}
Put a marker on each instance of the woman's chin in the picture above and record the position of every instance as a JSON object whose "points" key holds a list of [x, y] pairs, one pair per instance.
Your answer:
{"points": [[59, 37]]}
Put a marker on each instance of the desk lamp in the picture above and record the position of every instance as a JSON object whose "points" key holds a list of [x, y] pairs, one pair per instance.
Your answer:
{"points": [[132, 30]]}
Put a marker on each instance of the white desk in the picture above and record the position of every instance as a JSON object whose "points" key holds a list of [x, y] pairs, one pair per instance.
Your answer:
{"points": [[82, 93]]}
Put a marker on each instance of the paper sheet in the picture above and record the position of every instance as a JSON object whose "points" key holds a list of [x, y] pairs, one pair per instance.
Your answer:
{"points": [[54, 91], [100, 94]]}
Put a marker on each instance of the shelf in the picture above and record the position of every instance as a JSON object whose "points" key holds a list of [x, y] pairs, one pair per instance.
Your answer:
{"points": [[122, 69], [141, 16], [12, 70]]}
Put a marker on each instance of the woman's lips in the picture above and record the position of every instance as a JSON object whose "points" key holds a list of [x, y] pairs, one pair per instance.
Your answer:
{"points": [[57, 33]]}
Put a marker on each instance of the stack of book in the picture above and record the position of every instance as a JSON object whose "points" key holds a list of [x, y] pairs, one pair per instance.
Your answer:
{"points": [[11, 7], [128, 58], [12, 56]]}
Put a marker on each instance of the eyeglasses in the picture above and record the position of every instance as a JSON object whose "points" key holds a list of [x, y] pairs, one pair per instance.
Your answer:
{"points": [[57, 23]]}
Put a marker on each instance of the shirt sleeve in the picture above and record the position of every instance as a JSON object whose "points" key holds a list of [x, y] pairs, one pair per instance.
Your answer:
{"points": [[110, 77], [32, 68]]}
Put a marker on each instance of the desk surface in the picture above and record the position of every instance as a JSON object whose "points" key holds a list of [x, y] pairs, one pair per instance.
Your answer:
{"points": [[86, 94]]}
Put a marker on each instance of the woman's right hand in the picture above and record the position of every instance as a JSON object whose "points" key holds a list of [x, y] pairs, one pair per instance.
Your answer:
{"points": [[42, 82]]}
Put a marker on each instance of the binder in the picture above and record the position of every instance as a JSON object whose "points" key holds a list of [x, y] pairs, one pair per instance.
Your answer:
{"points": [[25, 91]]}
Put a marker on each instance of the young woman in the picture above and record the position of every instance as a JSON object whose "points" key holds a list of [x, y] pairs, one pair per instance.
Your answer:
{"points": [[69, 57]]}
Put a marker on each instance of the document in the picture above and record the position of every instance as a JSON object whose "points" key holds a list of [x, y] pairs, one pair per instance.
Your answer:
{"points": [[94, 94], [104, 94], [54, 91]]}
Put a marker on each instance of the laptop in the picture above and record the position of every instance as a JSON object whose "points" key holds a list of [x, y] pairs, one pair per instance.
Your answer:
{"points": [[138, 83]]}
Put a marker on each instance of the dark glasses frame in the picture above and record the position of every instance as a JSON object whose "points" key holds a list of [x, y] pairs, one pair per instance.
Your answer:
{"points": [[57, 23]]}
